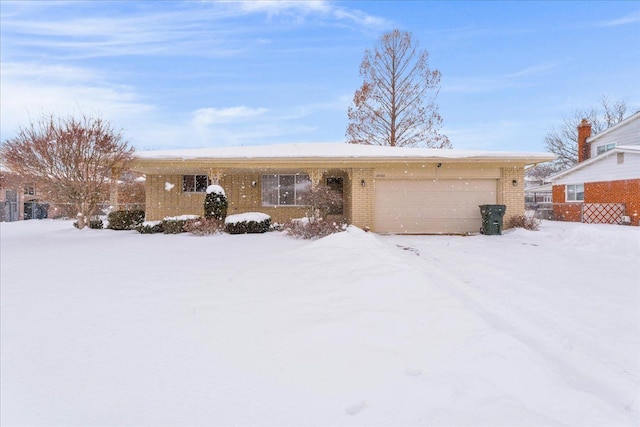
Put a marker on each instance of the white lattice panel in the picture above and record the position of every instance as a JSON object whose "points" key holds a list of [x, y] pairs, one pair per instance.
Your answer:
{"points": [[602, 213]]}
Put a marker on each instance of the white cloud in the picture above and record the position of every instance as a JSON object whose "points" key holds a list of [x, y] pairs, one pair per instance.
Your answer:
{"points": [[28, 90], [208, 116], [205, 29], [631, 18]]}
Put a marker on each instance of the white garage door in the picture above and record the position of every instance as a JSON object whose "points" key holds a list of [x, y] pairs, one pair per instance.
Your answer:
{"points": [[431, 206]]}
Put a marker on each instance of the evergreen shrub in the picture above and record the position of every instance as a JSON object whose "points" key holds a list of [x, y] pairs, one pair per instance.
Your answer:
{"points": [[248, 226], [125, 220], [215, 203], [173, 226], [150, 227]]}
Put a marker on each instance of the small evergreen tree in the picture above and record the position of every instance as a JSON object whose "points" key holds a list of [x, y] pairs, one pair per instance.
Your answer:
{"points": [[215, 203]]}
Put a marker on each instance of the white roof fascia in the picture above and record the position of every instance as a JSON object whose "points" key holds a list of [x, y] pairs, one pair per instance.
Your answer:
{"points": [[339, 151], [622, 149], [624, 122]]}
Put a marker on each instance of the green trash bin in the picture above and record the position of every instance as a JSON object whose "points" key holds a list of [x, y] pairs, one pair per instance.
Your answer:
{"points": [[492, 219]]}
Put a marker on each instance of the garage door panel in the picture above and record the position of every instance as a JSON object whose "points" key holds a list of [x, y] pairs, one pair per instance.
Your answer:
{"points": [[431, 206]]}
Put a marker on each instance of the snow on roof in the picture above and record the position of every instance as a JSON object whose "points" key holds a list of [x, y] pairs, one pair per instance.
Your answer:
{"points": [[633, 149], [334, 151]]}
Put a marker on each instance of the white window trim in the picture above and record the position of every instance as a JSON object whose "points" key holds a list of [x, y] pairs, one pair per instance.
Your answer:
{"points": [[566, 193], [605, 148]]}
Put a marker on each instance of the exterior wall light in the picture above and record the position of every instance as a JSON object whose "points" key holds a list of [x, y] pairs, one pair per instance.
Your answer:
{"points": [[363, 183], [514, 182]]}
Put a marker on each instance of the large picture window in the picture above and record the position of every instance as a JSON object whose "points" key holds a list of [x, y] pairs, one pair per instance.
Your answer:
{"points": [[284, 190], [195, 183], [575, 193]]}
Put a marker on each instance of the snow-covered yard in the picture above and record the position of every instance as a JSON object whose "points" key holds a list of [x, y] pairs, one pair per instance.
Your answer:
{"points": [[100, 327]]}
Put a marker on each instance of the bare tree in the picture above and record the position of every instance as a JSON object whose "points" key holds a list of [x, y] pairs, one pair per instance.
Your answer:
{"points": [[395, 105], [72, 158], [563, 141]]}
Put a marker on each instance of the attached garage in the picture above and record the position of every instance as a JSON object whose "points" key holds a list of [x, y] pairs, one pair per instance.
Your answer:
{"points": [[431, 205]]}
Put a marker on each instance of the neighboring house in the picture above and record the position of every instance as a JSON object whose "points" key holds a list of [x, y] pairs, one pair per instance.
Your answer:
{"points": [[538, 199], [19, 199], [604, 187], [385, 189]]}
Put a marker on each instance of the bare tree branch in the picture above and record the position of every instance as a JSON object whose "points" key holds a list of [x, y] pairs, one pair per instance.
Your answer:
{"points": [[563, 140], [396, 103]]}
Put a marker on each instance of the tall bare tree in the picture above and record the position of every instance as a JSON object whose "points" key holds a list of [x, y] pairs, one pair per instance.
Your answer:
{"points": [[395, 105], [563, 140], [70, 157]]}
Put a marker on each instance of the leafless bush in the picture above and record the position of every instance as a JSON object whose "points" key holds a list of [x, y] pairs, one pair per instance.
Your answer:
{"points": [[524, 221], [303, 228], [204, 226], [322, 201]]}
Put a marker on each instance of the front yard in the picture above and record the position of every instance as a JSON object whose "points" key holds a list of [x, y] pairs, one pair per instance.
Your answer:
{"points": [[103, 327]]}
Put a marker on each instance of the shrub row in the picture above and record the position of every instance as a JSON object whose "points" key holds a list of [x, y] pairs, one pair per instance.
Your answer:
{"points": [[203, 226]]}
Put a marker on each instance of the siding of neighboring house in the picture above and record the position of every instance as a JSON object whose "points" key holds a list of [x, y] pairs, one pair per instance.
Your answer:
{"points": [[625, 133], [604, 168]]}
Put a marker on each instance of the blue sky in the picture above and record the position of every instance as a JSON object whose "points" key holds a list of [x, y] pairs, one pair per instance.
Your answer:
{"points": [[177, 74]]}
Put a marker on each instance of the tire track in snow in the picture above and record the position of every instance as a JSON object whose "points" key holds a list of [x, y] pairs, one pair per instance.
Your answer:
{"points": [[580, 371]]}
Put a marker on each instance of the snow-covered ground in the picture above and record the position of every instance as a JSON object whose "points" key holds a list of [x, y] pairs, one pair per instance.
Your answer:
{"points": [[102, 327]]}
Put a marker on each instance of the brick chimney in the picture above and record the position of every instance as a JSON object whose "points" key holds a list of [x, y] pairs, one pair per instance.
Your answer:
{"points": [[584, 132]]}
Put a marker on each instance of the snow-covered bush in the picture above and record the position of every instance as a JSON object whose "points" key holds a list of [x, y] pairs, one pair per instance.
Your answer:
{"points": [[175, 224], [251, 222], [203, 226], [125, 220], [215, 203], [304, 228], [95, 224], [150, 227], [524, 221]]}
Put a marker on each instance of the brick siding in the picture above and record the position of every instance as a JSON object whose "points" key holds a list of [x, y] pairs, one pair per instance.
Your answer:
{"points": [[512, 196], [623, 191]]}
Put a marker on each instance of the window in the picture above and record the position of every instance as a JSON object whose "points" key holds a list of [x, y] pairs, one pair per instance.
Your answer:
{"points": [[604, 148], [195, 183], [284, 190], [30, 190], [575, 193]]}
